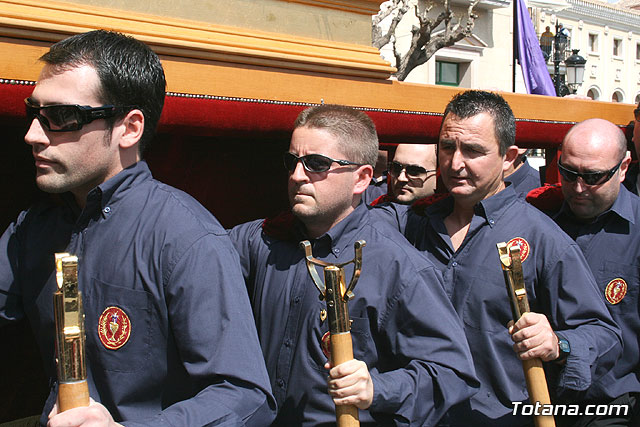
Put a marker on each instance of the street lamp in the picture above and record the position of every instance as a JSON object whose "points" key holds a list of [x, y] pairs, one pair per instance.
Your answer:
{"points": [[559, 47], [575, 70], [574, 65]]}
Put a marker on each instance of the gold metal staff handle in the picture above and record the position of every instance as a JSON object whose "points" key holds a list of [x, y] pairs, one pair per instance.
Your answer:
{"points": [[73, 390], [533, 370], [336, 295]]}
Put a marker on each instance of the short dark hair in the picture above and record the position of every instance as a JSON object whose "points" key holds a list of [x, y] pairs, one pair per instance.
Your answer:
{"points": [[353, 129], [130, 72], [473, 102]]}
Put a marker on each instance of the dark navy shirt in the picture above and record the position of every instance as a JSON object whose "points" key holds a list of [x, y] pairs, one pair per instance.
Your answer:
{"points": [[404, 327], [524, 179], [376, 188], [611, 245], [631, 178], [559, 284], [193, 356]]}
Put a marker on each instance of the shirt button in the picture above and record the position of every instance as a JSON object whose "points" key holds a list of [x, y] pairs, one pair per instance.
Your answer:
{"points": [[491, 222], [287, 343], [296, 300], [337, 250], [454, 264], [106, 210], [280, 383]]}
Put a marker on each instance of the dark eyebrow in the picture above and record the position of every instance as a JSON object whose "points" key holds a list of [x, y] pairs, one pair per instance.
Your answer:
{"points": [[467, 145], [474, 146]]}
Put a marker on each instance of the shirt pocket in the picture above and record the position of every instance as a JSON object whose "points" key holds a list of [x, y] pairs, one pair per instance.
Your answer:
{"points": [[362, 342], [486, 304], [117, 325]]}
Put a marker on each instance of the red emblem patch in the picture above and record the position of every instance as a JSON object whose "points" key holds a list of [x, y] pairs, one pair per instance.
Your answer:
{"points": [[114, 328], [616, 290], [524, 247], [325, 343]]}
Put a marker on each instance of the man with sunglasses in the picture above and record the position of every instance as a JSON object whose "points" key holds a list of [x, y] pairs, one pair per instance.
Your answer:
{"points": [[603, 217], [170, 339], [412, 173], [411, 360], [459, 234]]}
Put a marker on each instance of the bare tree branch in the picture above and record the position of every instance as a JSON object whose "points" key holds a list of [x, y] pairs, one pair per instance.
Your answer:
{"points": [[424, 43], [400, 7]]}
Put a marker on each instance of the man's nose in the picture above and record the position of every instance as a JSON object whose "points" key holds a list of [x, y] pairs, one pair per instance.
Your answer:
{"points": [[299, 173], [36, 134], [457, 160], [579, 186]]}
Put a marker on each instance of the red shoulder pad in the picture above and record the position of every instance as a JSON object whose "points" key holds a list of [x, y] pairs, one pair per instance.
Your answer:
{"points": [[281, 226], [546, 198], [380, 200], [421, 205]]}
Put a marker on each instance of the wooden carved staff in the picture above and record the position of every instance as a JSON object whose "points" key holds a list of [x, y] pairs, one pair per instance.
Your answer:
{"points": [[336, 294], [533, 370]]}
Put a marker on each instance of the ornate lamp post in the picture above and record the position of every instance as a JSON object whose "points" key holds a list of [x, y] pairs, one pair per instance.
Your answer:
{"points": [[559, 47], [575, 70], [574, 64]]}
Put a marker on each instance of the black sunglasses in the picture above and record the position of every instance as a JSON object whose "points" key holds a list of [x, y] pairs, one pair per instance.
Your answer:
{"points": [[313, 162], [412, 171], [589, 178], [69, 117]]}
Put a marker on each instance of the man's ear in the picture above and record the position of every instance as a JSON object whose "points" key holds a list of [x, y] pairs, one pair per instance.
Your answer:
{"points": [[624, 166], [132, 129], [362, 178], [510, 156]]}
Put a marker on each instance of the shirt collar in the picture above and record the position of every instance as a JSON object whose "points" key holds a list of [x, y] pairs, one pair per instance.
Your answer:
{"points": [[107, 194], [621, 207], [491, 208], [494, 207], [346, 232]]}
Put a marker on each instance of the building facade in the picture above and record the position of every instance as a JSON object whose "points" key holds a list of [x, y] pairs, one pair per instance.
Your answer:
{"points": [[607, 36]]}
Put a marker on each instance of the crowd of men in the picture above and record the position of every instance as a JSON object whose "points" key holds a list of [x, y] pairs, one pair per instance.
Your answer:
{"points": [[227, 327]]}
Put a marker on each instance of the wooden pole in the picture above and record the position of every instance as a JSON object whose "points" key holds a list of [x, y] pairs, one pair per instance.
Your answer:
{"points": [[342, 351]]}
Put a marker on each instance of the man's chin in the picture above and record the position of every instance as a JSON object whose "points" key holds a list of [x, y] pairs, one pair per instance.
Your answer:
{"points": [[300, 210], [48, 186], [460, 190], [581, 210], [406, 199]]}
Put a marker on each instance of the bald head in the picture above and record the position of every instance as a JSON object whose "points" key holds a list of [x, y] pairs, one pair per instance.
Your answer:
{"points": [[406, 187], [594, 146], [596, 137]]}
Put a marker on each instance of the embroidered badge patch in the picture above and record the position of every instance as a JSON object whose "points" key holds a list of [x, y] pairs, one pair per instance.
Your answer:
{"points": [[325, 343], [616, 290], [114, 328], [524, 247]]}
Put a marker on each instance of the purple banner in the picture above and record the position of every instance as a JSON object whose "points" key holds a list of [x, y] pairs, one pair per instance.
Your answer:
{"points": [[534, 69]]}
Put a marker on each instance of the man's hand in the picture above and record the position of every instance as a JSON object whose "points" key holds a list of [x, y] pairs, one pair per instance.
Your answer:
{"points": [[94, 415], [533, 337], [350, 384]]}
